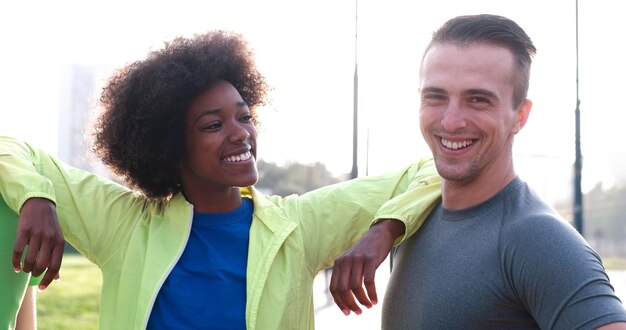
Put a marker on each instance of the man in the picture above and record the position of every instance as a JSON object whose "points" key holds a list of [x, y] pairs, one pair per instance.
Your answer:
{"points": [[492, 254]]}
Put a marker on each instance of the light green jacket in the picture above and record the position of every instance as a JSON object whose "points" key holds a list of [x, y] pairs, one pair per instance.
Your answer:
{"points": [[136, 244]]}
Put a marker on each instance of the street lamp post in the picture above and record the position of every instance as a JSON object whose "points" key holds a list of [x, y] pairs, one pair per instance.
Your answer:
{"points": [[578, 163], [355, 122]]}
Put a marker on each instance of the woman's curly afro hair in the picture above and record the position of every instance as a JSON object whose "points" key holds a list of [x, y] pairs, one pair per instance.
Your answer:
{"points": [[140, 134]]}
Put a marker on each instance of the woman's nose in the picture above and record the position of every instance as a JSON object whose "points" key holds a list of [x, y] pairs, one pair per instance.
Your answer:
{"points": [[239, 134]]}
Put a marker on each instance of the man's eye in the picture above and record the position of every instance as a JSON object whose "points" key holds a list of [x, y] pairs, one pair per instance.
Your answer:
{"points": [[433, 97], [479, 100]]}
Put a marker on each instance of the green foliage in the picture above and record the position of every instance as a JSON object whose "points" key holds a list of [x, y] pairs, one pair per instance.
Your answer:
{"points": [[294, 178], [604, 210], [71, 303]]}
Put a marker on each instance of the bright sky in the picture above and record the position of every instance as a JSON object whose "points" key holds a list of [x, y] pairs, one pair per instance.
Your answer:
{"points": [[307, 51]]}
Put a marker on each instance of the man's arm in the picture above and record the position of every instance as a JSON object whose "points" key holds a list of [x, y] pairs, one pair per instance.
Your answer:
{"points": [[613, 326], [27, 315]]}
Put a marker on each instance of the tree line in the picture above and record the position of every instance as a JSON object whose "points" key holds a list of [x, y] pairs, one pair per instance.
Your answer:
{"points": [[604, 220]]}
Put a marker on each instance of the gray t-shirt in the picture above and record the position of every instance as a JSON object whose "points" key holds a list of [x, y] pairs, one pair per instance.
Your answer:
{"points": [[510, 262]]}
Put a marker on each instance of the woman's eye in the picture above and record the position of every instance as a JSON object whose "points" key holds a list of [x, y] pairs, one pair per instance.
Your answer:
{"points": [[213, 125], [246, 118]]}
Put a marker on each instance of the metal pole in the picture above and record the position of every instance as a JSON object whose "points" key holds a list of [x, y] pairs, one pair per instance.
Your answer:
{"points": [[355, 171], [578, 164]]}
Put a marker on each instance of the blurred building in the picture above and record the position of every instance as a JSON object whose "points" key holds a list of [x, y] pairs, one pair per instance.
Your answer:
{"points": [[80, 94]]}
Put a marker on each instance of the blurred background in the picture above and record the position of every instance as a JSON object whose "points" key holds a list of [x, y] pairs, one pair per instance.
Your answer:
{"points": [[56, 56]]}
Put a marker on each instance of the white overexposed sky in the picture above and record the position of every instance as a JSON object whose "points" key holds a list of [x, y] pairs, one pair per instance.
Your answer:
{"points": [[307, 51]]}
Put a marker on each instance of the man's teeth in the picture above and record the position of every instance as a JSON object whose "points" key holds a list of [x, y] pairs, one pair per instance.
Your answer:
{"points": [[455, 145], [238, 158]]}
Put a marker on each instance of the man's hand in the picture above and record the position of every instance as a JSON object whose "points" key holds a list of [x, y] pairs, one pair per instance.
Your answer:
{"points": [[357, 267], [39, 228]]}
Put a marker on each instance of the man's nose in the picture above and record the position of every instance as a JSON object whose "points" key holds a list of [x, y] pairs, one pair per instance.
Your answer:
{"points": [[453, 118]]}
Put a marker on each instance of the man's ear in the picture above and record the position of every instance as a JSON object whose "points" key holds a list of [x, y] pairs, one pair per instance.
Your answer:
{"points": [[522, 112]]}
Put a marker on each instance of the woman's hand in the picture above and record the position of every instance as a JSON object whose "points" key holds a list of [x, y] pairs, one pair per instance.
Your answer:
{"points": [[38, 228], [357, 267]]}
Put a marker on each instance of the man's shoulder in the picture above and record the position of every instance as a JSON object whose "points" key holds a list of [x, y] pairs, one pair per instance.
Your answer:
{"points": [[529, 218], [524, 209]]}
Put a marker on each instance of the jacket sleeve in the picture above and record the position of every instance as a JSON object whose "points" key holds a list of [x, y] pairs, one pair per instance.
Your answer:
{"points": [[95, 214], [333, 218], [414, 204]]}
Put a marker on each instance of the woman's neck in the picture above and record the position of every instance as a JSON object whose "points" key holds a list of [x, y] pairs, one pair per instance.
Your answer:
{"points": [[214, 201]]}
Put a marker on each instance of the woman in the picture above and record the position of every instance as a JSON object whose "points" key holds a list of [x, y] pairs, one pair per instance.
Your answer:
{"points": [[189, 248]]}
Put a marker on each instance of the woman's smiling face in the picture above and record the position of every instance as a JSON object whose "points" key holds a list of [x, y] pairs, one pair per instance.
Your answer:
{"points": [[220, 142]]}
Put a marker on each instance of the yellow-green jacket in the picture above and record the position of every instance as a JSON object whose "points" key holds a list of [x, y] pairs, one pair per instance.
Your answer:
{"points": [[136, 244]]}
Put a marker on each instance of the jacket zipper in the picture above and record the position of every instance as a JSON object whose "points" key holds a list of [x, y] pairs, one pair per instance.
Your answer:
{"points": [[169, 270]]}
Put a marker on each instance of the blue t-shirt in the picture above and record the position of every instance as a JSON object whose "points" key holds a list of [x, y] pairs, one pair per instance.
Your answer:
{"points": [[207, 287]]}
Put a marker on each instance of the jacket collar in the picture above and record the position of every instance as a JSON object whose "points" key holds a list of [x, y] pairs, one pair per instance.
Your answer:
{"points": [[267, 210]]}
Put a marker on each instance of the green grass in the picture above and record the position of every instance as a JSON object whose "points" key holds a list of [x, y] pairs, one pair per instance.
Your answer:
{"points": [[71, 303]]}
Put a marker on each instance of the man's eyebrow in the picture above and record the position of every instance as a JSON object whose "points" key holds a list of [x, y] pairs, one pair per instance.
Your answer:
{"points": [[437, 90], [480, 91]]}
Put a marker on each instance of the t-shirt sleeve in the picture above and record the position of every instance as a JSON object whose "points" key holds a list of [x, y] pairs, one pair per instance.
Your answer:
{"points": [[558, 277]]}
